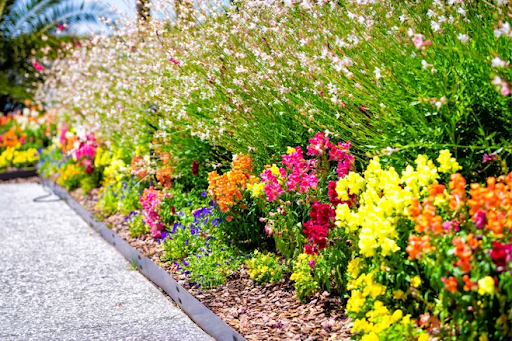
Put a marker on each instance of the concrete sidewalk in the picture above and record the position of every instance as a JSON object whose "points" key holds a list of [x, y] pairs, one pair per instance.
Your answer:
{"points": [[61, 281]]}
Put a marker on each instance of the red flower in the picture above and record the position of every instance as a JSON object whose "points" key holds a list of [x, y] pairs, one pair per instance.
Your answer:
{"points": [[195, 167], [501, 254], [317, 229]]}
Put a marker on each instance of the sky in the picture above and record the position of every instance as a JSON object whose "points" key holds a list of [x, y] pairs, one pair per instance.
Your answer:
{"points": [[125, 6]]}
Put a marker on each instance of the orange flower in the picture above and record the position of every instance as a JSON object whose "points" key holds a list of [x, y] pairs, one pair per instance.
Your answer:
{"points": [[417, 245], [468, 284], [491, 206], [165, 176], [9, 138], [463, 252], [457, 187], [450, 284], [226, 188]]}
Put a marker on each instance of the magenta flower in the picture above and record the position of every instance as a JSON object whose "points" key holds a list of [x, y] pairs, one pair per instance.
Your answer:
{"points": [[490, 157], [37, 66], [479, 219], [318, 144]]}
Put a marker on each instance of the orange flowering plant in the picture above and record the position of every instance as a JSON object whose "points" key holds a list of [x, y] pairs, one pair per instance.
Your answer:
{"points": [[229, 191]]}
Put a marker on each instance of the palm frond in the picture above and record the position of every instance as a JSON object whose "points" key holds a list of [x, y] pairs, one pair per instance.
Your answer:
{"points": [[72, 14], [24, 13]]}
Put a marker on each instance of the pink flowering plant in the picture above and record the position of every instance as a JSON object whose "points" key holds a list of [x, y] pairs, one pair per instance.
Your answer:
{"points": [[298, 196]]}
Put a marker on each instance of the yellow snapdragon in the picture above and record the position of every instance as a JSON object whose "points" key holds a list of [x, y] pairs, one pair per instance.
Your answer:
{"points": [[257, 189], [448, 164], [486, 286]]}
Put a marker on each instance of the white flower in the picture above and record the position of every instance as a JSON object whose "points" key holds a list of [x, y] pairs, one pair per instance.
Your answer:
{"points": [[463, 38], [435, 26], [377, 73], [498, 62]]}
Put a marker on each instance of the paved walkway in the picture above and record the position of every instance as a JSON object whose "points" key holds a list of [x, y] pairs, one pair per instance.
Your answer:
{"points": [[61, 281]]}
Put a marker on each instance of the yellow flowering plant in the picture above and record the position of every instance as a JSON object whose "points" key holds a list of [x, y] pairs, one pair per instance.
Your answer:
{"points": [[265, 267], [429, 260]]}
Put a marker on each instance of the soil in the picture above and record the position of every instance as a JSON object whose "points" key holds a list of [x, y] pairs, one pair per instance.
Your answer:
{"points": [[258, 312]]}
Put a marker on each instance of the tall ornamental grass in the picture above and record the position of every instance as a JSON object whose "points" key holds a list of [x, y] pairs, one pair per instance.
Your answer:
{"points": [[258, 76]]}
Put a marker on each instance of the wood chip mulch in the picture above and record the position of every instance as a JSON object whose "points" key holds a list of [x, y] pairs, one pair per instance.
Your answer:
{"points": [[258, 312]]}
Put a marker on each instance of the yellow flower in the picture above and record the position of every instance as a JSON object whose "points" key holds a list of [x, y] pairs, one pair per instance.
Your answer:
{"points": [[448, 164], [290, 150], [397, 316], [406, 320], [416, 281], [370, 337], [486, 286], [355, 302], [275, 170], [353, 267], [399, 295], [257, 190], [423, 337]]}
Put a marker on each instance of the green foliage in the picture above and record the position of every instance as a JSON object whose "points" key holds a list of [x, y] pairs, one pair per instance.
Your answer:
{"points": [[302, 276], [109, 201], [136, 225], [26, 27], [213, 266]]}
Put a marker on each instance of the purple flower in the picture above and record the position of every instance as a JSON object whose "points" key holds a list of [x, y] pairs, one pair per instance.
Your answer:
{"points": [[185, 263], [204, 194], [490, 157], [186, 242]]}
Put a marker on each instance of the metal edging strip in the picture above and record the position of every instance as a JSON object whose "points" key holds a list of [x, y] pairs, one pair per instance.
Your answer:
{"points": [[22, 173], [198, 312]]}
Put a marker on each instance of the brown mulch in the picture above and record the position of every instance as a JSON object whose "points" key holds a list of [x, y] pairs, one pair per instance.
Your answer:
{"points": [[258, 312]]}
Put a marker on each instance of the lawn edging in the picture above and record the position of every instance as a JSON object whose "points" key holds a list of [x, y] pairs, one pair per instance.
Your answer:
{"points": [[18, 174]]}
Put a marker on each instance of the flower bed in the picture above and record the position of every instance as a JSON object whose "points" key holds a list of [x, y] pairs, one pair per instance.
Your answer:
{"points": [[358, 148], [403, 247], [22, 136]]}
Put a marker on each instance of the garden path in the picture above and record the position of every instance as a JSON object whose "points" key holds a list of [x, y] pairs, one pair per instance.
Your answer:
{"points": [[61, 281]]}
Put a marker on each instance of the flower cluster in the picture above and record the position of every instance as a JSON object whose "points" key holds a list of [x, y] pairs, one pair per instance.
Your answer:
{"points": [[316, 230], [226, 189], [151, 200], [265, 268]]}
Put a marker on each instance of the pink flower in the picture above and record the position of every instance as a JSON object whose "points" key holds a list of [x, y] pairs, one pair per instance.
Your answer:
{"points": [[150, 201], [479, 219], [490, 157], [38, 66], [174, 61], [318, 144], [418, 41]]}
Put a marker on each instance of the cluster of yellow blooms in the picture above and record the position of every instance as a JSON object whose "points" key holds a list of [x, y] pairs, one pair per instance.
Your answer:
{"points": [[18, 158], [384, 197], [69, 174], [264, 268], [115, 168]]}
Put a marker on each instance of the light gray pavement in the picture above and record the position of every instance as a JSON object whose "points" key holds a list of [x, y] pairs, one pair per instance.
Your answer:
{"points": [[61, 281]]}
